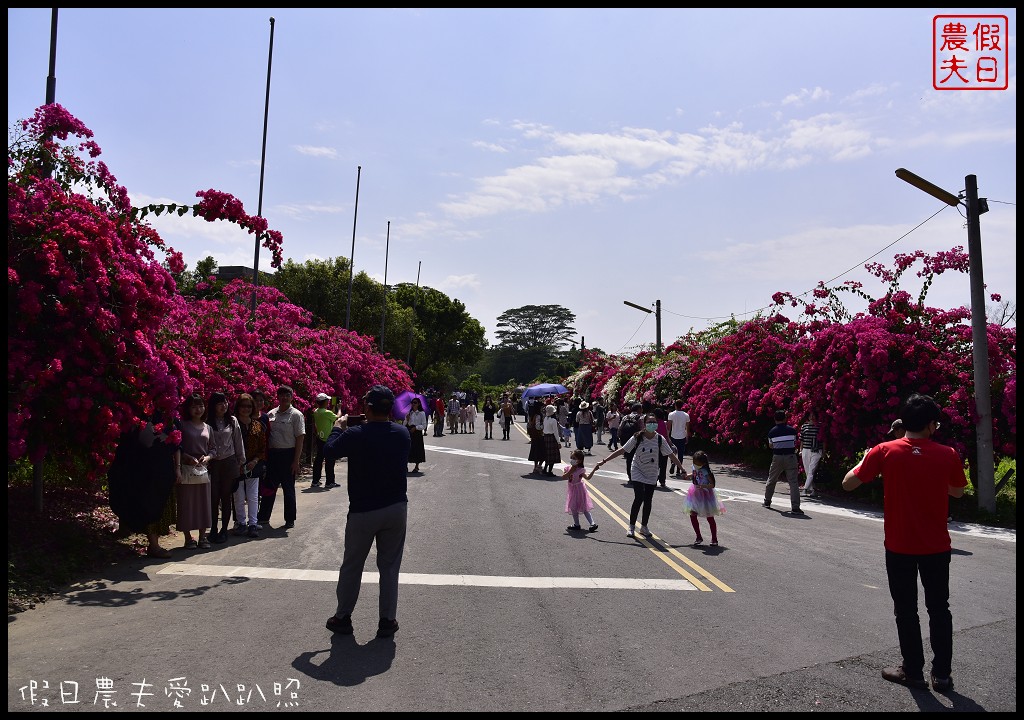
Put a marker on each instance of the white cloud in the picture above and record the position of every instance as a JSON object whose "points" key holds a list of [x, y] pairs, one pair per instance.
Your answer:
{"points": [[313, 151]]}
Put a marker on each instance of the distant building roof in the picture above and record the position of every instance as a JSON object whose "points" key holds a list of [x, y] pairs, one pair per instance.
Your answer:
{"points": [[228, 273]]}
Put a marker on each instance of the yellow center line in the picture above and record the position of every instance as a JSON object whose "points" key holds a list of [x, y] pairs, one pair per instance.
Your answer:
{"points": [[659, 548]]}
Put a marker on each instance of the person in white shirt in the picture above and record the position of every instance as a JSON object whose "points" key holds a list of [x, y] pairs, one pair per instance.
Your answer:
{"points": [[679, 431], [284, 450], [416, 422]]}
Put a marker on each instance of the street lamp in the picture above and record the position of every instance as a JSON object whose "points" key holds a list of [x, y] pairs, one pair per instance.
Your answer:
{"points": [[657, 321], [986, 484]]}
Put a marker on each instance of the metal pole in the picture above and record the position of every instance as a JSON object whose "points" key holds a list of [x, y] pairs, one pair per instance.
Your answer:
{"points": [[51, 79], [263, 165], [352, 257], [415, 304], [979, 337], [657, 326], [38, 483], [384, 309]]}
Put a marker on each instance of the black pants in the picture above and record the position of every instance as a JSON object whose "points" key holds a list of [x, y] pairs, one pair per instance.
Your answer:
{"points": [[279, 472], [643, 495], [318, 462], [934, 571], [629, 464]]}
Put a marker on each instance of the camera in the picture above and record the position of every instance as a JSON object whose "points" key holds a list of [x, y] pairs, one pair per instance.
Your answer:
{"points": [[356, 420]]}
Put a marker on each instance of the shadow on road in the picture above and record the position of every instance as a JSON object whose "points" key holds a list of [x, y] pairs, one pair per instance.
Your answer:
{"points": [[348, 663]]}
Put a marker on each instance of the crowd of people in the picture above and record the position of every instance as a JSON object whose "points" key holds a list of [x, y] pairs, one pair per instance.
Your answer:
{"points": [[215, 463]]}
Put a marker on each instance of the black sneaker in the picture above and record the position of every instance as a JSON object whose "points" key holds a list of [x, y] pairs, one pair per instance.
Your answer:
{"points": [[592, 528], [218, 537], [573, 528], [941, 685], [330, 485], [766, 504], [289, 525], [315, 483], [387, 628], [340, 625], [798, 511], [253, 531]]}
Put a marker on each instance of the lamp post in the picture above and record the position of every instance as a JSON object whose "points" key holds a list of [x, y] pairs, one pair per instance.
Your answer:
{"points": [[657, 321], [263, 165], [415, 304], [384, 309], [352, 257], [986, 482]]}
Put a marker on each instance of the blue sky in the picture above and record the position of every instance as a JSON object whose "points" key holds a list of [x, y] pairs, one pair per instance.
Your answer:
{"points": [[703, 158]]}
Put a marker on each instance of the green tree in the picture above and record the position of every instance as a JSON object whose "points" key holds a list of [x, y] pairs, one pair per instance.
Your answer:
{"points": [[445, 339], [536, 326], [320, 286], [190, 282]]}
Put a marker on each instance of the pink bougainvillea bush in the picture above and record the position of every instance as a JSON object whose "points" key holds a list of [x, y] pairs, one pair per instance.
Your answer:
{"points": [[855, 371], [85, 298], [219, 349], [98, 337]]}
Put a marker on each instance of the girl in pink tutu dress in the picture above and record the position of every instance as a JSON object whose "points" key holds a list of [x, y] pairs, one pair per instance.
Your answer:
{"points": [[701, 500], [577, 499]]}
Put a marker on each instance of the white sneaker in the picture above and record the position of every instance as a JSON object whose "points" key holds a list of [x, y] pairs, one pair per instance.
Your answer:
{"points": [[645, 532], [632, 531]]}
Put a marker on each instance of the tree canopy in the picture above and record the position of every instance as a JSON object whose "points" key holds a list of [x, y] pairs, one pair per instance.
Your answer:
{"points": [[549, 327]]}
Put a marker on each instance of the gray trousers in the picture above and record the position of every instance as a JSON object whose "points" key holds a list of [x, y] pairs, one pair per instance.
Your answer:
{"points": [[386, 526], [784, 465]]}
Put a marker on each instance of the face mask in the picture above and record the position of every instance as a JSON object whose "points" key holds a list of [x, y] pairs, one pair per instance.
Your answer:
{"points": [[652, 427]]}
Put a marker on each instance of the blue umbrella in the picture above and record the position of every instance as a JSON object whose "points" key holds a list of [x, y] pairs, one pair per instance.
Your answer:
{"points": [[542, 389]]}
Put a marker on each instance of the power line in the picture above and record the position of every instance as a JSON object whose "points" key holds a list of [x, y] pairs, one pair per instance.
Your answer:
{"points": [[826, 282], [633, 335]]}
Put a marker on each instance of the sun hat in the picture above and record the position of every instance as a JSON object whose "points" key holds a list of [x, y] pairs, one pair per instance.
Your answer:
{"points": [[549, 410], [584, 405]]}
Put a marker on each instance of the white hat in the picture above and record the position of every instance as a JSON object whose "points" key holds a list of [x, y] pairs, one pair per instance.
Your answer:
{"points": [[584, 405], [549, 410], [320, 397]]}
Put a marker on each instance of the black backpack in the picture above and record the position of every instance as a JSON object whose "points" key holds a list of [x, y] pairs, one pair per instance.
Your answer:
{"points": [[628, 427]]}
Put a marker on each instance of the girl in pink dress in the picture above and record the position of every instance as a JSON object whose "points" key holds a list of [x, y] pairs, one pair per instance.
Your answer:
{"points": [[701, 500], [577, 499]]}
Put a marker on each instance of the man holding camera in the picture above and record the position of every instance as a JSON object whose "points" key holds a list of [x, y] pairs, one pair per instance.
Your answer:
{"points": [[378, 453]]}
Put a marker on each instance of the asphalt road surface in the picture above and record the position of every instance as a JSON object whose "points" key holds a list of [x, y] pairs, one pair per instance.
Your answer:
{"points": [[500, 609]]}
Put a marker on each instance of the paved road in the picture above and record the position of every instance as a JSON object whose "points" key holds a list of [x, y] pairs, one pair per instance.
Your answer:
{"points": [[502, 610]]}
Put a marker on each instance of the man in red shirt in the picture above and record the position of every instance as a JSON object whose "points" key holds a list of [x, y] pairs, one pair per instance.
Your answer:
{"points": [[919, 477]]}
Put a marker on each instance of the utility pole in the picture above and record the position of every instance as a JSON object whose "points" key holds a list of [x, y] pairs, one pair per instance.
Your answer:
{"points": [[985, 483], [657, 321], [979, 335]]}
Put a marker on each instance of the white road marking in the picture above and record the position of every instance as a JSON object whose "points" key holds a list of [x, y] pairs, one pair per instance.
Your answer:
{"points": [[545, 583]]}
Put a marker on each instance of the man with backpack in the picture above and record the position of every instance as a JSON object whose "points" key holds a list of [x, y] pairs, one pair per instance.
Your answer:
{"points": [[628, 427]]}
